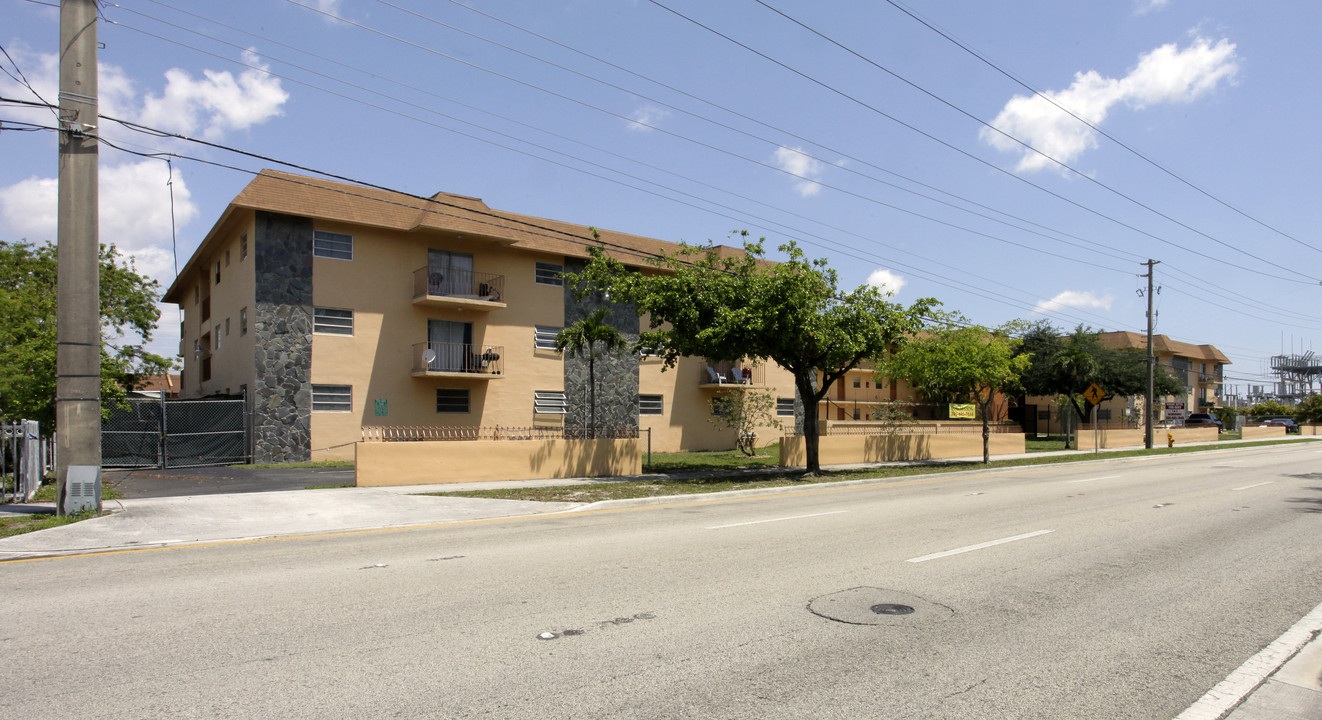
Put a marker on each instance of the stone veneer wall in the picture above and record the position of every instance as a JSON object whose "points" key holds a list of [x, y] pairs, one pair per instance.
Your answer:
{"points": [[282, 322], [617, 374]]}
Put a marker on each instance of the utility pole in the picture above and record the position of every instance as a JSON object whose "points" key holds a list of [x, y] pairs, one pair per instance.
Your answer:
{"points": [[1152, 364], [78, 315]]}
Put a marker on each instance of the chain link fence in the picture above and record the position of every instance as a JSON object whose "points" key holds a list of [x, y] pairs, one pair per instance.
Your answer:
{"points": [[150, 432], [24, 456]]}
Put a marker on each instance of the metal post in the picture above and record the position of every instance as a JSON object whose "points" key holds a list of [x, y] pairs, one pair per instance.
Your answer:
{"points": [[1152, 365], [78, 331]]}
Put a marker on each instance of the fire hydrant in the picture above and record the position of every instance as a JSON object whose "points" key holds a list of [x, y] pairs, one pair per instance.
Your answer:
{"points": [[1170, 439]]}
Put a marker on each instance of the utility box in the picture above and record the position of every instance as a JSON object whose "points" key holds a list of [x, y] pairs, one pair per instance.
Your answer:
{"points": [[82, 489]]}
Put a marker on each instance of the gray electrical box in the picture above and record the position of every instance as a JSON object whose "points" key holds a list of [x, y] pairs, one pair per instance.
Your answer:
{"points": [[82, 489]]}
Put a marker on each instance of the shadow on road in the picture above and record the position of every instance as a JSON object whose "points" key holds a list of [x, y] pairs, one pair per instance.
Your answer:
{"points": [[1309, 504]]}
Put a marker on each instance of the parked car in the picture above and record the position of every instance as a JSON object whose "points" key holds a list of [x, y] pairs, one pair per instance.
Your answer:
{"points": [[1203, 420], [1291, 428]]}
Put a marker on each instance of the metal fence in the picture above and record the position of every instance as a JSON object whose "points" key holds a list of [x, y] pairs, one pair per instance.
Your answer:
{"points": [[475, 432], [24, 459], [152, 432]]}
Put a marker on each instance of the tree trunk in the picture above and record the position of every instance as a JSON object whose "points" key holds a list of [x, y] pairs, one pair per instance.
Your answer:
{"points": [[986, 435], [592, 396], [810, 428]]}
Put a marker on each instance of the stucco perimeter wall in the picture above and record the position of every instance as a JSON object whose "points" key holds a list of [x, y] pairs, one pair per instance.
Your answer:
{"points": [[1134, 438], [423, 463], [1253, 432], [883, 448], [1311, 429]]}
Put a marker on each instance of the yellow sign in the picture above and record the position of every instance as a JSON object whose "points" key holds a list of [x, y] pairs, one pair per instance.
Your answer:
{"points": [[1094, 394], [963, 412]]}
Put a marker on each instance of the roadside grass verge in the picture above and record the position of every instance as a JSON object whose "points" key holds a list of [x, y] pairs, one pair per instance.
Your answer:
{"points": [[767, 457], [753, 478], [12, 526]]}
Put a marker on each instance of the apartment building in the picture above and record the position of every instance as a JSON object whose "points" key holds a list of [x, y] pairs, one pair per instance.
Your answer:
{"points": [[333, 307]]}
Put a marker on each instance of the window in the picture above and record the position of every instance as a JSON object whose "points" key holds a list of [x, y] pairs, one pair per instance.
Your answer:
{"points": [[330, 321], [543, 337], [856, 414], [651, 404], [227, 258], [549, 274], [549, 402], [451, 400], [197, 293], [243, 321], [227, 327], [217, 272], [332, 398], [858, 381], [1103, 413], [243, 246], [785, 407], [336, 246], [217, 337]]}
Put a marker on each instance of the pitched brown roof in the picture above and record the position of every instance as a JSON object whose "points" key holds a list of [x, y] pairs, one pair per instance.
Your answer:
{"points": [[1163, 345]]}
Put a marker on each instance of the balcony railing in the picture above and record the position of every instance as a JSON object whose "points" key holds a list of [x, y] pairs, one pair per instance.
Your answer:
{"points": [[463, 285], [739, 373], [457, 359]]}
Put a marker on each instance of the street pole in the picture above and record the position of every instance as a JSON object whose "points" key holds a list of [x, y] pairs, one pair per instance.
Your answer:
{"points": [[1152, 365], [78, 315]]}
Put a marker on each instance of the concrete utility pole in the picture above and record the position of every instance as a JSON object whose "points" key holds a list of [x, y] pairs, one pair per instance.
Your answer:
{"points": [[1152, 364], [78, 317]]}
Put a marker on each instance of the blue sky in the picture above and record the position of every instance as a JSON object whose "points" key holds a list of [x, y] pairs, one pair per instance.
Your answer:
{"points": [[861, 130]]}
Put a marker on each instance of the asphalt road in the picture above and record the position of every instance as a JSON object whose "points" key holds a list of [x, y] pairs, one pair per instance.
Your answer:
{"points": [[179, 482], [1124, 589]]}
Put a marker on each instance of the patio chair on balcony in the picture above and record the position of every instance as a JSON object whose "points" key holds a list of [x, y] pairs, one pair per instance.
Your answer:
{"points": [[716, 377]]}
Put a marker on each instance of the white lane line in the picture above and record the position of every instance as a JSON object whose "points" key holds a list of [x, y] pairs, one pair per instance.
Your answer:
{"points": [[1106, 477], [979, 546], [758, 522], [1246, 487], [1254, 672]]}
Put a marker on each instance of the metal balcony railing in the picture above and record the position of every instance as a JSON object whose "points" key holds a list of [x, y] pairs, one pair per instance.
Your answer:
{"points": [[470, 359], [465, 284], [739, 373]]}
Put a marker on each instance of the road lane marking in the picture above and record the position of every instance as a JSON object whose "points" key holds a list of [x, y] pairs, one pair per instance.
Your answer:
{"points": [[979, 546], [1246, 487], [758, 522], [1106, 477]]}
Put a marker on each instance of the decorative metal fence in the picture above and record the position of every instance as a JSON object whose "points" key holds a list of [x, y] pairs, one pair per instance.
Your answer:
{"points": [[836, 428], [474, 432], [150, 432], [24, 458]]}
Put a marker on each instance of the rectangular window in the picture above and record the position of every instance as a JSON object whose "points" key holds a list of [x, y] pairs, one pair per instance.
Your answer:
{"points": [[1103, 413], [549, 274], [227, 258], [243, 321], [651, 404], [785, 407], [858, 381], [451, 400], [543, 337], [227, 327], [549, 402], [332, 398], [330, 321], [217, 272], [217, 337], [243, 246], [336, 246]]}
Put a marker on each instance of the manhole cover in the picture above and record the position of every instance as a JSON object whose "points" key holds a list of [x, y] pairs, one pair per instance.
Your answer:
{"points": [[891, 609]]}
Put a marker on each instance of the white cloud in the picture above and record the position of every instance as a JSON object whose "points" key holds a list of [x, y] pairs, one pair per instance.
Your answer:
{"points": [[1087, 300], [1147, 6], [1164, 75], [807, 168], [646, 118], [217, 104], [887, 280]]}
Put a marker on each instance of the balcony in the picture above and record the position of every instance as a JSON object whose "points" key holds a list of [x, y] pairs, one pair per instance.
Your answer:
{"points": [[458, 360], [738, 374], [458, 289]]}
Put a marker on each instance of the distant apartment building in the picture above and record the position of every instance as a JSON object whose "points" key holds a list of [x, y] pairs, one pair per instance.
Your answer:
{"points": [[333, 307]]}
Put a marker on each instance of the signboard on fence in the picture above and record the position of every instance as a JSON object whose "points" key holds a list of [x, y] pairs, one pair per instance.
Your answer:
{"points": [[963, 411], [1175, 411]]}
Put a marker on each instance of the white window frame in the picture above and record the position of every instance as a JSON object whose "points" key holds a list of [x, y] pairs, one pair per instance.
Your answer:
{"points": [[651, 404], [331, 245], [452, 409], [783, 405], [549, 274], [549, 402], [332, 398], [543, 337], [325, 322]]}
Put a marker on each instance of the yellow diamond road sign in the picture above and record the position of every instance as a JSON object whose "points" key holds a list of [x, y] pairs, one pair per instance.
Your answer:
{"points": [[1094, 394]]}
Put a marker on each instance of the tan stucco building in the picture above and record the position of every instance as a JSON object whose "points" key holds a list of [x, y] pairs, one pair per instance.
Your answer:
{"points": [[335, 307]]}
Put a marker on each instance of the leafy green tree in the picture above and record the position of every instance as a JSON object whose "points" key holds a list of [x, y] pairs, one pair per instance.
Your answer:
{"points": [[744, 411], [27, 329], [725, 308], [962, 363], [1270, 408], [1309, 410], [586, 336]]}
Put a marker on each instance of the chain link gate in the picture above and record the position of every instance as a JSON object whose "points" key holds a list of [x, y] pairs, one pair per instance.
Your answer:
{"points": [[150, 432], [23, 459]]}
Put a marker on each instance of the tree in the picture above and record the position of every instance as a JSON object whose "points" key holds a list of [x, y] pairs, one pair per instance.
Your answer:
{"points": [[743, 411], [724, 308], [27, 329], [1309, 410], [962, 363], [1269, 409], [585, 336]]}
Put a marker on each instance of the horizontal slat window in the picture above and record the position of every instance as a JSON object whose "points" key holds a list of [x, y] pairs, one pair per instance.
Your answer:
{"points": [[543, 337], [651, 404], [451, 400], [549, 402], [331, 321], [337, 246], [785, 407], [332, 398], [549, 274]]}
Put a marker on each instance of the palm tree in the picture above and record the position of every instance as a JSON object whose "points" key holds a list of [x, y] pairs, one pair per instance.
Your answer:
{"points": [[584, 336]]}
